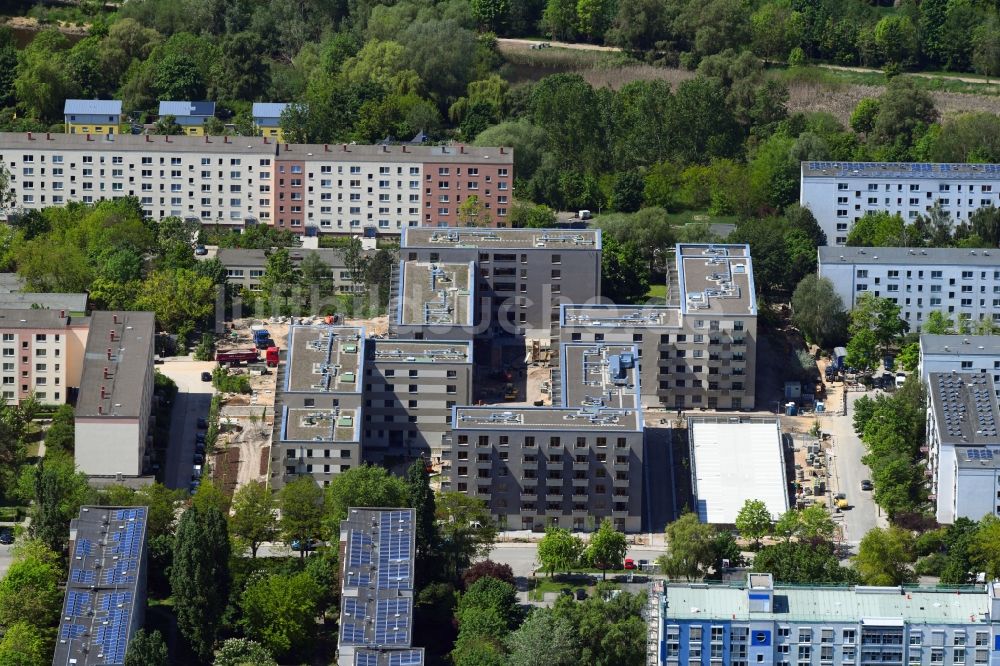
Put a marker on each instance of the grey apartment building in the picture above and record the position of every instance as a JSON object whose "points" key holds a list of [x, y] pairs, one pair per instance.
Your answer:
{"points": [[410, 390], [758, 622], [246, 267], [318, 404], [105, 601], [522, 274], [571, 465], [698, 350]]}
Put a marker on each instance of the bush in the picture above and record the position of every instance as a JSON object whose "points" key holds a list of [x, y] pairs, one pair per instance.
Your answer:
{"points": [[930, 565], [205, 351], [227, 383]]}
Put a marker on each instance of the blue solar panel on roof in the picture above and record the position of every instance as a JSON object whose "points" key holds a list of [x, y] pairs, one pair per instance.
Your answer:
{"points": [[366, 659], [406, 658], [82, 576], [69, 631], [353, 632]]}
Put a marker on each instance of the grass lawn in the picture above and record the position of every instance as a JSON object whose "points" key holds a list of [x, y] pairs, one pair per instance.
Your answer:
{"points": [[657, 293]]}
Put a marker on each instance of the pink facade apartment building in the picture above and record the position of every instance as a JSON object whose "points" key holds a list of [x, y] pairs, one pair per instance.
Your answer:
{"points": [[41, 352]]}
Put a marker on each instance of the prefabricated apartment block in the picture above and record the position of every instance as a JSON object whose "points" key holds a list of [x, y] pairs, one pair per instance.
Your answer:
{"points": [[961, 283], [42, 354], [308, 189], [700, 349], [522, 275], [960, 353], [840, 193]]}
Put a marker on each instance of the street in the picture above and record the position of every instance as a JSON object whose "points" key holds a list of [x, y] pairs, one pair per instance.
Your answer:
{"points": [[849, 471], [5, 558], [193, 400]]}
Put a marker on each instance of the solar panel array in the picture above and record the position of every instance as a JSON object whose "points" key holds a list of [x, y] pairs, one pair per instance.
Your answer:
{"points": [[966, 405], [98, 614], [908, 169], [378, 617], [979, 454]]}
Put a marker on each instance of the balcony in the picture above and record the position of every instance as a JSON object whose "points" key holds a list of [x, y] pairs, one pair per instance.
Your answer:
{"points": [[554, 497], [529, 496], [581, 466], [580, 498]]}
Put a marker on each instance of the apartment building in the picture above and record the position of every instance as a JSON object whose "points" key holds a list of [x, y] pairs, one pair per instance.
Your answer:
{"points": [[191, 116], [523, 274], [245, 267], [698, 350], [410, 390], [42, 355], [92, 116], [434, 301], [318, 404], [113, 409], [758, 622], [105, 602], [377, 555], [962, 283], [960, 353], [267, 118], [570, 465], [307, 189], [840, 193], [963, 445]]}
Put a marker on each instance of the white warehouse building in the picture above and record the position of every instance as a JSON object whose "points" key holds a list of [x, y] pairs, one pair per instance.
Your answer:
{"points": [[840, 193], [962, 283]]}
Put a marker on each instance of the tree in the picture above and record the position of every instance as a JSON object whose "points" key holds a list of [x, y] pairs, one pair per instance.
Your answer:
{"points": [[24, 644], [803, 563], [884, 555], [280, 611], [29, 592], [559, 550], [146, 649], [363, 486], [909, 357], [178, 77], [815, 524], [753, 521], [787, 525], [279, 276], [638, 25], [167, 126], [818, 311], [986, 224], [59, 492], [465, 527], [690, 548], [627, 194], [61, 434], [490, 14], [243, 652], [880, 317], [180, 298], [301, 503], [610, 631], [543, 638], [863, 116], [624, 274], [420, 497], [488, 569], [489, 594], [984, 548], [253, 521], [199, 577], [473, 213], [210, 495], [896, 38], [607, 547], [986, 47]]}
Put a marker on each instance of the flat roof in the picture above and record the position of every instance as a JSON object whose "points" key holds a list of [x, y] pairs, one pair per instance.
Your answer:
{"points": [[933, 256], [67, 302], [324, 359], [556, 419], [977, 457], [103, 590], [619, 316], [965, 407], [252, 258], [311, 424], [716, 279], [904, 170], [524, 239], [436, 294], [377, 580], [960, 345], [420, 351], [832, 604], [32, 318], [598, 375], [131, 357], [733, 461], [253, 145]]}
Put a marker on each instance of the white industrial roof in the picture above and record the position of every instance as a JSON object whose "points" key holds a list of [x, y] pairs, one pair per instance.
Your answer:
{"points": [[734, 462]]}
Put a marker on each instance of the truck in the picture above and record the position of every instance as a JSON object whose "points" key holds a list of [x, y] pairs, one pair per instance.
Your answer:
{"points": [[261, 337], [839, 357], [272, 357], [237, 356]]}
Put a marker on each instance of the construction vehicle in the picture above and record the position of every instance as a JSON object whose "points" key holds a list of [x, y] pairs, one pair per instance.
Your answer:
{"points": [[237, 356], [510, 392], [272, 357], [261, 337]]}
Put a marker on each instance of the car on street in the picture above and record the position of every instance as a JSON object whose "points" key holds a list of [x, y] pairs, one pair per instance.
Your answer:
{"points": [[199, 447], [199, 459], [206, 376], [6, 536], [199, 438], [310, 545], [193, 487], [202, 424], [643, 564], [629, 563], [866, 485], [581, 594]]}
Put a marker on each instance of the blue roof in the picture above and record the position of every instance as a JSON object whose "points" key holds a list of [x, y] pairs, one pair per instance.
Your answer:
{"points": [[93, 107], [179, 109], [268, 109]]}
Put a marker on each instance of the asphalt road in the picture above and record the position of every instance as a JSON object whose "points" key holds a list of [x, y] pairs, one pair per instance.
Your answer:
{"points": [[849, 471], [193, 400], [5, 558]]}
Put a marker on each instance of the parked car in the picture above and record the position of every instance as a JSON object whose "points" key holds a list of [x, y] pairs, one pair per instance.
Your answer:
{"points": [[199, 447], [568, 592], [199, 459], [866, 485], [6, 536], [206, 376], [202, 424], [200, 250], [581, 594], [643, 564], [310, 545], [900, 379], [192, 487], [629, 563], [199, 438]]}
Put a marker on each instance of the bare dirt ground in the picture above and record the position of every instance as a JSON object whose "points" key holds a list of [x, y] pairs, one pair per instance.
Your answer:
{"points": [[29, 24], [841, 100]]}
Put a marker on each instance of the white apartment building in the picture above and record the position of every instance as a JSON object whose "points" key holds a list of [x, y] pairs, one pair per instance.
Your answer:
{"points": [[42, 354], [960, 353], [840, 193], [307, 189], [963, 284], [963, 445]]}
